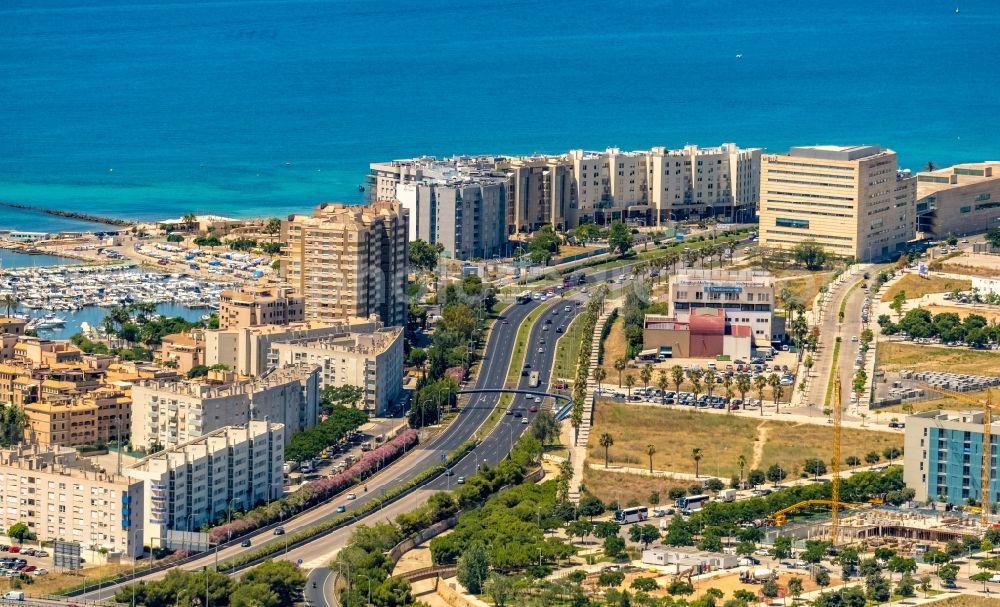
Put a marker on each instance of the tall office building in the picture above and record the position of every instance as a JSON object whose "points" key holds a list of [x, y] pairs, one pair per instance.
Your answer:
{"points": [[852, 200], [961, 199], [349, 261]]}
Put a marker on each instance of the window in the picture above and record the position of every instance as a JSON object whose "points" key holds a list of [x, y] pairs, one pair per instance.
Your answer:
{"points": [[965, 210], [782, 222]]}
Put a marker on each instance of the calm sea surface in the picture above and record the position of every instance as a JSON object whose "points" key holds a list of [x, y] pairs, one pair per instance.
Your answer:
{"points": [[153, 109]]}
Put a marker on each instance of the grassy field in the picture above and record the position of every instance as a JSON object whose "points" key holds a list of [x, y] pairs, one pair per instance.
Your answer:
{"points": [[609, 485], [55, 581], [568, 349], [914, 286], [804, 287], [676, 433], [893, 356]]}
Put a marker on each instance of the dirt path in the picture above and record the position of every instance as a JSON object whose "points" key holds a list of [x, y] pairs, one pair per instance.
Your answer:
{"points": [[758, 447]]}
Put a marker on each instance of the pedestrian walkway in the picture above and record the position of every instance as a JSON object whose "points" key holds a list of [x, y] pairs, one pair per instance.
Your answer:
{"points": [[579, 451]]}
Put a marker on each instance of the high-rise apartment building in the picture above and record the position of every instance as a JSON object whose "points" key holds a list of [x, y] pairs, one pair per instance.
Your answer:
{"points": [[565, 190], [349, 261], [61, 496], [961, 199], [198, 481], [852, 200], [169, 413], [97, 417]]}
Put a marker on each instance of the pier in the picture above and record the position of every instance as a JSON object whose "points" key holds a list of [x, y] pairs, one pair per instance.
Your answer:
{"points": [[114, 221]]}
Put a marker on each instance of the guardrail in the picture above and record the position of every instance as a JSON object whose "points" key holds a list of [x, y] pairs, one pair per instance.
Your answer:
{"points": [[426, 573]]}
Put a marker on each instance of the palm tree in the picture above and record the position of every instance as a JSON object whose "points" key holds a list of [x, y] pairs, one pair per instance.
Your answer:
{"points": [[760, 383], [710, 376], [629, 382], [743, 386], [741, 461], [576, 420], [696, 456], [13, 420], [10, 302], [727, 383], [599, 375], [930, 166], [694, 376], [650, 451], [661, 381], [646, 374], [677, 373], [606, 441], [620, 365], [775, 382]]}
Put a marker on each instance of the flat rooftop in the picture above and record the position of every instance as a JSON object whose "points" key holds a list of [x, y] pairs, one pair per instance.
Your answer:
{"points": [[835, 152], [956, 176]]}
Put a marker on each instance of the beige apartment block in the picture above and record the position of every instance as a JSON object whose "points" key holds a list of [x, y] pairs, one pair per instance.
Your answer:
{"points": [[371, 359], [98, 417], [349, 261], [259, 305], [199, 481], [61, 496], [170, 413], [564, 190], [183, 351], [960, 199], [246, 351], [852, 200]]}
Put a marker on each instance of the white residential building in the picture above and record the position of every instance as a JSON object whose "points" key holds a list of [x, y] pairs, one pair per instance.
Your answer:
{"points": [[61, 496], [197, 482], [371, 359], [169, 413]]}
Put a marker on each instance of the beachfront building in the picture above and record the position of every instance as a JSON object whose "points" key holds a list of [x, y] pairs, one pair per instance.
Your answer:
{"points": [[198, 481], [172, 412], [460, 204], [961, 199], [61, 496], [370, 357], [852, 200], [349, 261], [943, 452], [746, 298], [564, 190], [259, 305]]}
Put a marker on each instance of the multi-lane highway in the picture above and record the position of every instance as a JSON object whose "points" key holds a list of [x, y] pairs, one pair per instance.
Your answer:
{"points": [[492, 448], [492, 374]]}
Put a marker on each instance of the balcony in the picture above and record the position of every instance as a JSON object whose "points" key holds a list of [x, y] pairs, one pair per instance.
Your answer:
{"points": [[158, 486], [158, 510], [158, 498], [158, 521]]}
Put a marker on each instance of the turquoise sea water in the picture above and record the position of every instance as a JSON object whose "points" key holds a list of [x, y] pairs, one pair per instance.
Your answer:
{"points": [[157, 108]]}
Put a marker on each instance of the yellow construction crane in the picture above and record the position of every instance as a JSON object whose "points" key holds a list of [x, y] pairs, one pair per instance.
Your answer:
{"points": [[835, 465], [780, 517], [987, 407]]}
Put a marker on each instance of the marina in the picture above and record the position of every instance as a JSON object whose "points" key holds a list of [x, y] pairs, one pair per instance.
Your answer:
{"points": [[58, 300]]}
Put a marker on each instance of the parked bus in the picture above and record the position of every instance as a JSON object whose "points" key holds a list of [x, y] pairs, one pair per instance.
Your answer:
{"points": [[533, 379], [692, 503], [524, 297], [631, 515]]}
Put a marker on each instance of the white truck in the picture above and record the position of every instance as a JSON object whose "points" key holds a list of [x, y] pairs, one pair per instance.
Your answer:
{"points": [[727, 495]]}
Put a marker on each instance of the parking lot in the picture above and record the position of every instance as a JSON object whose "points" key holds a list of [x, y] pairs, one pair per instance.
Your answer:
{"points": [[18, 559]]}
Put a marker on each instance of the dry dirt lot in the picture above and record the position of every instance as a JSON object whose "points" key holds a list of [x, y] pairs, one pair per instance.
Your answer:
{"points": [[722, 439], [915, 286], [893, 356]]}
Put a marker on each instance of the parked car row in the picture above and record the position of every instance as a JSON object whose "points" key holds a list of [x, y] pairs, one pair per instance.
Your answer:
{"points": [[11, 566], [26, 550]]}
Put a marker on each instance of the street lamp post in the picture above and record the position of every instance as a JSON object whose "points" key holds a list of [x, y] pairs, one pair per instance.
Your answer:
{"points": [[134, 559]]}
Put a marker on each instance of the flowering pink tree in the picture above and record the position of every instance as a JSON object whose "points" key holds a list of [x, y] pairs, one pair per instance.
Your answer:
{"points": [[317, 491]]}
